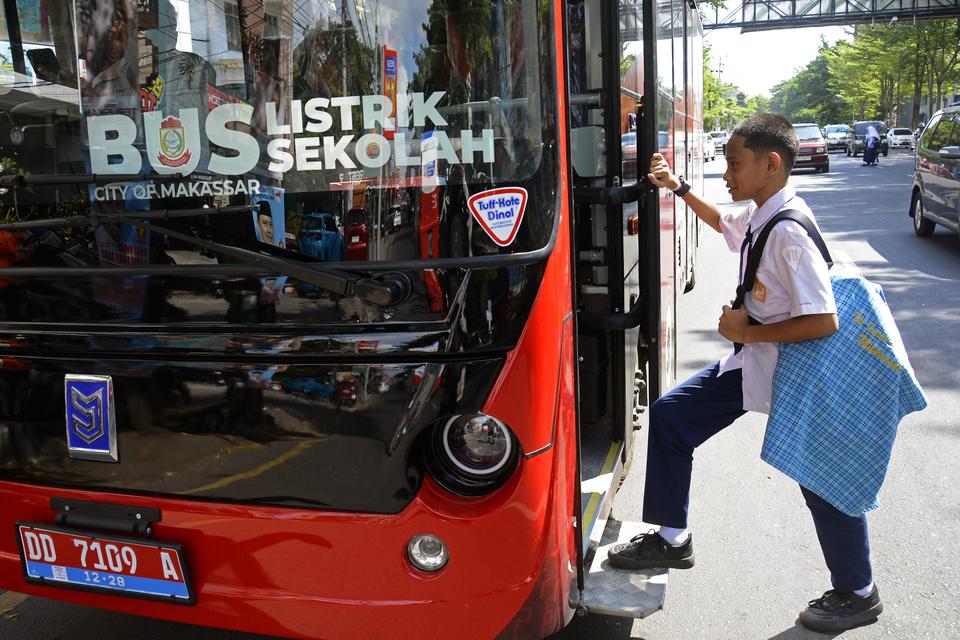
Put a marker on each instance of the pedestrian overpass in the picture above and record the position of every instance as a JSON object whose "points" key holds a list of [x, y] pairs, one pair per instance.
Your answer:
{"points": [[756, 15]]}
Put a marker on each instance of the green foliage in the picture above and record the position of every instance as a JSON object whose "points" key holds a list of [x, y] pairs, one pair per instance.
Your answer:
{"points": [[872, 75], [809, 96], [8, 208], [724, 104]]}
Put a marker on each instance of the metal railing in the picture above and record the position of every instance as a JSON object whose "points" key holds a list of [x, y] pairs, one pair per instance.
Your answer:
{"points": [[755, 15]]}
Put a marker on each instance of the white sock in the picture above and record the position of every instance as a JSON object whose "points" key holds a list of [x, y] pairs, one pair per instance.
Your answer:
{"points": [[867, 590], [674, 537]]}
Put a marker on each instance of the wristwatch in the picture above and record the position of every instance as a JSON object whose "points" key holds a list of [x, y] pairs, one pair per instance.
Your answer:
{"points": [[683, 188]]}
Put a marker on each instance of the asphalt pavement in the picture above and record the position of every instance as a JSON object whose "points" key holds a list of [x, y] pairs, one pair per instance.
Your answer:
{"points": [[758, 561]]}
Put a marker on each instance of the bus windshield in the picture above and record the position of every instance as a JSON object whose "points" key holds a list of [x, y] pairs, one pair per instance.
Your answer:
{"points": [[289, 106]]}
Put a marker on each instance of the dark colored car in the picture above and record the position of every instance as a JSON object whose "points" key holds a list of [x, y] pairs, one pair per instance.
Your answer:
{"points": [[628, 154], [856, 138], [357, 234], [310, 387], [320, 237], [345, 393], [813, 148], [936, 177], [837, 136], [398, 217]]}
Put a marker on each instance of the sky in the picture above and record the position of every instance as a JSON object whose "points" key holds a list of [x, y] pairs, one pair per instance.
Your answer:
{"points": [[757, 61]]}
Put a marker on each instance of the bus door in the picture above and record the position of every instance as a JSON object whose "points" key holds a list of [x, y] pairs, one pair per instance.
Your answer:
{"points": [[625, 253], [693, 78]]}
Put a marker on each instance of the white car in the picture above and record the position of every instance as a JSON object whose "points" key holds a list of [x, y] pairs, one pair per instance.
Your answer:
{"points": [[719, 140], [837, 136], [709, 148], [900, 137]]}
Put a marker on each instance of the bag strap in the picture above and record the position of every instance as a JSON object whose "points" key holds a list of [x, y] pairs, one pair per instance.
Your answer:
{"points": [[756, 251]]}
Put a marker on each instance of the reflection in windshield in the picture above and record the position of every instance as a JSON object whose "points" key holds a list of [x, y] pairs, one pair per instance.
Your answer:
{"points": [[301, 101], [375, 124]]}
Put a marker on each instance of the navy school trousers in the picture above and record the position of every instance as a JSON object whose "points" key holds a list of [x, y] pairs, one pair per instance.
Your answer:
{"points": [[687, 417]]}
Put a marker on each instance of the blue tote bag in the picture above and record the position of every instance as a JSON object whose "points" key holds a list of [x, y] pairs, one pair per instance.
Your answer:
{"points": [[837, 400]]}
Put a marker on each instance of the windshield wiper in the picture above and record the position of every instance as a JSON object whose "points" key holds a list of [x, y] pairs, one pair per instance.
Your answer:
{"points": [[386, 292], [389, 290], [38, 179], [103, 218]]}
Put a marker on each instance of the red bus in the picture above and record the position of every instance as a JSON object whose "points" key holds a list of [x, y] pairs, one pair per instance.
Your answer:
{"points": [[431, 444]]}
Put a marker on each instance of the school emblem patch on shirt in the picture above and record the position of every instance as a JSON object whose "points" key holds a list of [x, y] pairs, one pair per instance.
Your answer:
{"points": [[759, 291], [792, 255]]}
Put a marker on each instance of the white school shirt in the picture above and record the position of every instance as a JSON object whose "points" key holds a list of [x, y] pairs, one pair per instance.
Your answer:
{"points": [[792, 280]]}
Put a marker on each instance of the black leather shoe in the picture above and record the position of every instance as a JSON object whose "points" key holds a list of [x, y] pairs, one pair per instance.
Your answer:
{"points": [[650, 551], [839, 610]]}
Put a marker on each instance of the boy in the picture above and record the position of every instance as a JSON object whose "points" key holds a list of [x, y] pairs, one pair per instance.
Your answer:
{"points": [[793, 301]]}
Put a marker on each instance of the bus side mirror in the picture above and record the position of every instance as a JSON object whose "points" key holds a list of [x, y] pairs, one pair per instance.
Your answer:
{"points": [[588, 150]]}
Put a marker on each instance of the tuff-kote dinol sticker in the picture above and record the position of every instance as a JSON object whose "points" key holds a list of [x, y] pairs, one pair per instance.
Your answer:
{"points": [[499, 212]]}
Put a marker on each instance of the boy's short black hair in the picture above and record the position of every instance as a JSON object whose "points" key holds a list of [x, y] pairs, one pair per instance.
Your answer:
{"points": [[765, 132]]}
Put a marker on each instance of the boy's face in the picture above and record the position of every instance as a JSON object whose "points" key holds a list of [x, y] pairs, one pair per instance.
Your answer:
{"points": [[749, 174]]}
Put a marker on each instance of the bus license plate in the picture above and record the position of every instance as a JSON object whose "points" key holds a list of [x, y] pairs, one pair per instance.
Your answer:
{"points": [[58, 557]]}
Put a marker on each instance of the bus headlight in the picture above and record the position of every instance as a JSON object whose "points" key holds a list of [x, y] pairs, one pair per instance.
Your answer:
{"points": [[473, 454]]}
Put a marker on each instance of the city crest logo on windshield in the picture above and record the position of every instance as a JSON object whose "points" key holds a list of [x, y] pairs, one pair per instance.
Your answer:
{"points": [[90, 416], [173, 144]]}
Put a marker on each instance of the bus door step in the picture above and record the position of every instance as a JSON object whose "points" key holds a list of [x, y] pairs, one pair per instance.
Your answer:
{"points": [[621, 592], [601, 465]]}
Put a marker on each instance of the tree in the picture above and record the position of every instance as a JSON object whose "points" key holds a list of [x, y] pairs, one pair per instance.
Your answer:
{"points": [[712, 95], [870, 76], [724, 103], [943, 53]]}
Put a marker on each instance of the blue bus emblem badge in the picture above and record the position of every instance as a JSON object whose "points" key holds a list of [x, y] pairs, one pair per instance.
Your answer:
{"points": [[91, 419]]}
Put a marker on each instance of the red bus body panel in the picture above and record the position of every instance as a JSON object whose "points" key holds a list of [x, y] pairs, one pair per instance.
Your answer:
{"points": [[322, 574]]}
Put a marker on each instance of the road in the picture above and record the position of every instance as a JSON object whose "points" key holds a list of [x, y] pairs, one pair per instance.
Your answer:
{"points": [[757, 558], [758, 561]]}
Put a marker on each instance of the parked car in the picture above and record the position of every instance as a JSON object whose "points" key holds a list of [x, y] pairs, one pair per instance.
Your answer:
{"points": [[320, 237], [628, 154], [856, 138], [813, 148], [357, 234], [837, 136], [345, 393], [719, 141], [398, 217], [900, 138], [310, 387], [936, 176], [709, 149]]}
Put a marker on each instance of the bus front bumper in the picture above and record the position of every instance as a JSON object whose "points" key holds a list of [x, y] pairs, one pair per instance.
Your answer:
{"points": [[320, 574]]}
